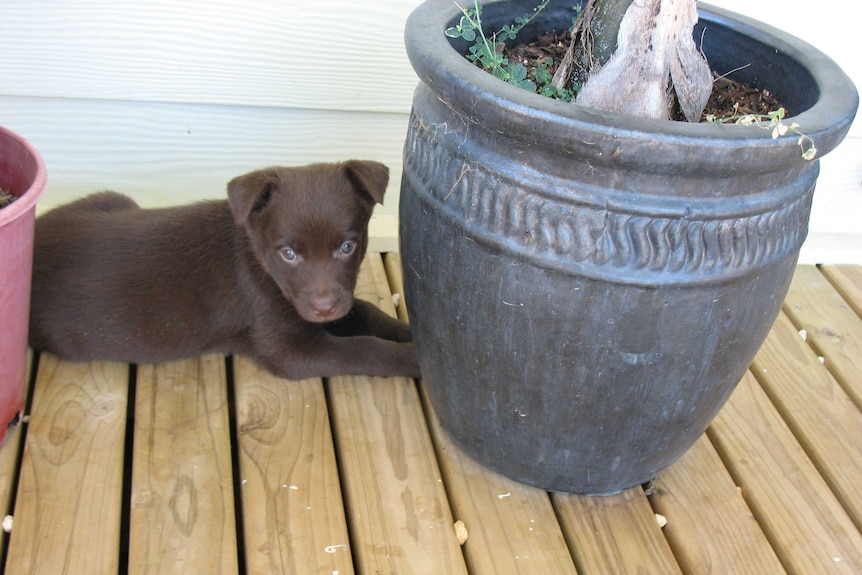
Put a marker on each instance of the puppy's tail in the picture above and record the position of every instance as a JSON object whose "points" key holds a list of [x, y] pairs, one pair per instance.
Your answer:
{"points": [[106, 202]]}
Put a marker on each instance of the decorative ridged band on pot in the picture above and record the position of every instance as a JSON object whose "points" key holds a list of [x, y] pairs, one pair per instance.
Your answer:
{"points": [[22, 174], [586, 289]]}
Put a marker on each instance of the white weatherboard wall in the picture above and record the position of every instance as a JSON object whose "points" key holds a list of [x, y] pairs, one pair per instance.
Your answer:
{"points": [[167, 100]]}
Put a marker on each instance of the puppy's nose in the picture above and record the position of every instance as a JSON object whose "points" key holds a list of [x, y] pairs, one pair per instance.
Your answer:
{"points": [[324, 307]]}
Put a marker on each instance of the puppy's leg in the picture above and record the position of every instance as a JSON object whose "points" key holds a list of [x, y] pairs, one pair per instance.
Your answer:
{"points": [[366, 319], [321, 354]]}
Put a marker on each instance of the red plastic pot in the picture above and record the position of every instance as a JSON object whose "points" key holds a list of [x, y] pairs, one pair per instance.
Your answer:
{"points": [[22, 174]]}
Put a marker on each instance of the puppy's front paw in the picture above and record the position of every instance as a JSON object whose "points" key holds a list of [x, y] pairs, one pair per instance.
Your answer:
{"points": [[404, 362], [404, 333], [415, 372]]}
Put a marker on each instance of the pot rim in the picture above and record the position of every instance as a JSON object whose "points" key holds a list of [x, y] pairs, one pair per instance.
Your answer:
{"points": [[28, 199], [485, 100]]}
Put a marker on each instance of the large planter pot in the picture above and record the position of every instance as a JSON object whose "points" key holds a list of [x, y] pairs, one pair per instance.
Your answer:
{"points": [[586, 289], [22, 174]]}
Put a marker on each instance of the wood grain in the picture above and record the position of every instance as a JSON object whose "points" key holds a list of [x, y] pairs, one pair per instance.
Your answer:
{"points": [[512, 527], [293, 513], [182, 508], [67, 515], [615, 534], [830, 325], [397, 508], [848, 281], [824, 419], [709, 526], [394, 271], [806, 525]]}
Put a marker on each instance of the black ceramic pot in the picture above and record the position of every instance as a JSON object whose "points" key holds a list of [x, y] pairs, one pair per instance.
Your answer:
{"points": [[586, 289]]}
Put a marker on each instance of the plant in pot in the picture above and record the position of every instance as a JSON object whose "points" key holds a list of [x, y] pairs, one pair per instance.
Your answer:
{"points": [[22, 180], [587, 287]]}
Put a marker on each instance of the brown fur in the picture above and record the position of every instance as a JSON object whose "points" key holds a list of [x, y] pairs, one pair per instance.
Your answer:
{"points": [[114, 281]]}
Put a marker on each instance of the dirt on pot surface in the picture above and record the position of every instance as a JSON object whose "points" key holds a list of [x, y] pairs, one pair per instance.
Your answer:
{"points": [[6, 198], [728, 99]]}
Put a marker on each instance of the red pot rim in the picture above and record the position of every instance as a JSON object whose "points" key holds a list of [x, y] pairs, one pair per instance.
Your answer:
{"points": [[26, 153]]}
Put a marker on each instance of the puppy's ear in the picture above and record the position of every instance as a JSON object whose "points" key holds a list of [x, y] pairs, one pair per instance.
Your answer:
{"points": [[369, 178], [251, 193]]}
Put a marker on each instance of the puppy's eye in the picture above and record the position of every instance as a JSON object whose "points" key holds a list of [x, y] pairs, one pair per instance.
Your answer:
{"points": [[347, 248], [288, 255]]}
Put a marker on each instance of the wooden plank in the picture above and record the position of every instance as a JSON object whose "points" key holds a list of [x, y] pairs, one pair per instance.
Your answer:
{"points": [[824, 419], [709, 526], [397, 509], [394, 272], [848, 281], [67, 514], [219, 52], [807, 526], [293, 515], [512, 528], [830, 326], [182, 508], [399, 516], [615, 534]]}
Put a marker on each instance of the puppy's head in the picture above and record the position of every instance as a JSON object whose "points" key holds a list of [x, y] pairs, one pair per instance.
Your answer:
{"points": [[308, 227]]}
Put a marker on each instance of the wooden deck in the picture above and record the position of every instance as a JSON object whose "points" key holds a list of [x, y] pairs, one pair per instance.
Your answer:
{"points": [[212, 466]]}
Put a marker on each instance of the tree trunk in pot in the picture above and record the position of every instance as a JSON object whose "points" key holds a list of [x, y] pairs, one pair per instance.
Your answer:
{"points": [[636, 63]]}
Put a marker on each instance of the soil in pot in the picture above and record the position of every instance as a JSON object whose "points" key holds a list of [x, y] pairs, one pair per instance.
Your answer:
{"points": [[6, 198], [728, 99]]}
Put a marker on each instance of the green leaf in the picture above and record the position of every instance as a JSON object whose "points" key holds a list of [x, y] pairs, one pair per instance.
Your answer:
{"points": [[543, 76], [518, 72]]}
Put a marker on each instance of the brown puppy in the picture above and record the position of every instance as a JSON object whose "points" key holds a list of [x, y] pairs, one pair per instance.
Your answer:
{"points": [[268, 273]]}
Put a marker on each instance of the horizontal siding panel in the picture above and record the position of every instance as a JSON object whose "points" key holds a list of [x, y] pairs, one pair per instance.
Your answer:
{"points": [[165, 154], [835, 235], [827, 248], [330, 54], [838, 196]]}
